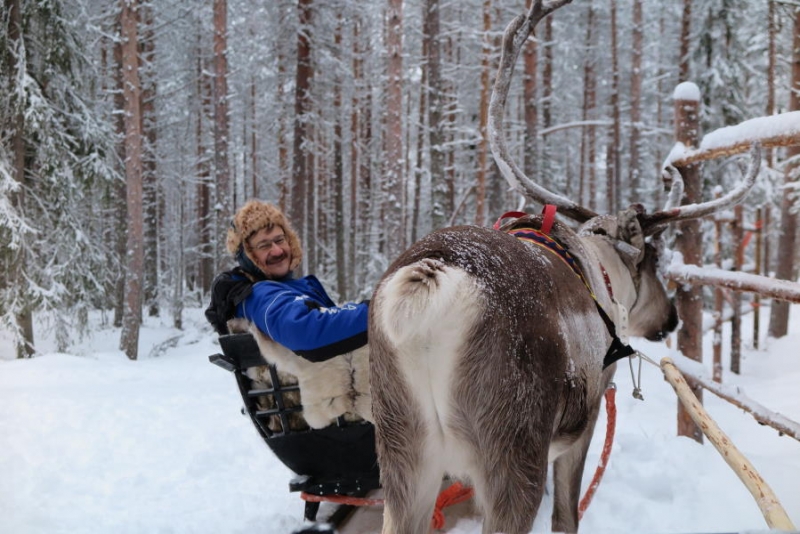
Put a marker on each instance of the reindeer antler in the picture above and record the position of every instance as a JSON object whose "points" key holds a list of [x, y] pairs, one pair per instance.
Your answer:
{"points": [[514, 38], [652, 222]]}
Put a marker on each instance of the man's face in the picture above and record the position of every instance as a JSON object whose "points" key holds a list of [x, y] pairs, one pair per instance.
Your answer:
{"points": [[272, 252]]}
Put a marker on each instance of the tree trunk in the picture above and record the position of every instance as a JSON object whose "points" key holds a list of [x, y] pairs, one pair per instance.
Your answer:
{"points": [[149, 171], [436, 121], [634, 167], [301, 177], [423, 131], [737, 234], [338, 176], [785, 270], [392, 187], [23, 316], [587, 183], [483, 146], [356, 153], [772, 54], [205, 216], [119, 193], [547, 99], [689, 239], [132, 315], [530, 57], [222, 179], [613, 164], [686, 31]]}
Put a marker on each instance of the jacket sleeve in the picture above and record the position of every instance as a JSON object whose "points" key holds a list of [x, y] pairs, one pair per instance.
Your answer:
{"points": [[303, 326]]}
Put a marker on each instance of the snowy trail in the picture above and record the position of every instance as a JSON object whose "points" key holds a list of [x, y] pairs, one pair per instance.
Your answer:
{"points": [[90, 442]]}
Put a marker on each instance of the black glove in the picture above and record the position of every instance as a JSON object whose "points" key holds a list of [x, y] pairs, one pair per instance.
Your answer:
{"points": [[227, 291]]}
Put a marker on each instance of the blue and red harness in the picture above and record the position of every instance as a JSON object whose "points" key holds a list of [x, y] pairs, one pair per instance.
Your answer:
{"points": [[542, 238]]}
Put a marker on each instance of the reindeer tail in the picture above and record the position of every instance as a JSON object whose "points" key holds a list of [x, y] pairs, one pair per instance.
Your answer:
{"points": [[422, 295]]}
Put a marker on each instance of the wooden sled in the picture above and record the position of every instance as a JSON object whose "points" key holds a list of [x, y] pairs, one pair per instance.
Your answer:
{"points": [[336, 460]]}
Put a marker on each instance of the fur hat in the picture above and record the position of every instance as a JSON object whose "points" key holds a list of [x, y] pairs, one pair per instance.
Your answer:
{"points": [[251, 218]]}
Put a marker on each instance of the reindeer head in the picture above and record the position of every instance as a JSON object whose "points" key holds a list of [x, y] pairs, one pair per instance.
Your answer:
{"points": [[636, 236]]}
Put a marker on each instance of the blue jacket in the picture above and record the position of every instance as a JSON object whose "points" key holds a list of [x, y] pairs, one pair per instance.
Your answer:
{"points": [[299, 314]]}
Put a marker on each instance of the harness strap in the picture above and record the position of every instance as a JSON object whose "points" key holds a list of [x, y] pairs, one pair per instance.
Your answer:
{"points": [[618, 349]]}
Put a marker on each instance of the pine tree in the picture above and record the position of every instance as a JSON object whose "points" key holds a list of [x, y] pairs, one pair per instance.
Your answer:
{"points": [[53, 160]]}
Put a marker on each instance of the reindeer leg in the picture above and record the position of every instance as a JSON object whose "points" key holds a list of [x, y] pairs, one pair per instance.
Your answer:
{"points": [[567, 475], [513, 491]]}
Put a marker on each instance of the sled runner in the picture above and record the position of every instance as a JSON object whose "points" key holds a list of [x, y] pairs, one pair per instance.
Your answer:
{"points": [[336, 460]]}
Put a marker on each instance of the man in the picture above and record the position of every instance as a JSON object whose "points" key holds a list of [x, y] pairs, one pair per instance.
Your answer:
{"points": [[295, 312]]}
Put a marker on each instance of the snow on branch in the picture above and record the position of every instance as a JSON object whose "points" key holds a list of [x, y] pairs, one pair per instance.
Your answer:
{"points": [[735, 280], [773, 131], [736, 396]]}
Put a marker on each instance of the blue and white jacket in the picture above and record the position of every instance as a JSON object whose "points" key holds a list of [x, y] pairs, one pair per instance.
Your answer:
{"points": [[299, 314]]}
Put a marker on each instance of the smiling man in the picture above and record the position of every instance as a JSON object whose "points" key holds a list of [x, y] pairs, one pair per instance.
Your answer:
{"points": [[295, 312]]}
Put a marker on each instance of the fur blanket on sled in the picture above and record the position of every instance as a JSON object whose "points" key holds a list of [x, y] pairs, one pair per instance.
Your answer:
{"points": [[329, 389]]}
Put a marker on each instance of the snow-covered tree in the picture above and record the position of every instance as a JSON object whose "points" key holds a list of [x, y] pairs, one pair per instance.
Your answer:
{"points": [[56, 157]]}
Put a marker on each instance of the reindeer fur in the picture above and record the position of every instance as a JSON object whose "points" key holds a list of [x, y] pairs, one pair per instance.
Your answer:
{"points": [[486, 363]]}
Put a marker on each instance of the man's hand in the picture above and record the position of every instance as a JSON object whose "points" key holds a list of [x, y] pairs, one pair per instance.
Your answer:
{"points": [[227, 291]]}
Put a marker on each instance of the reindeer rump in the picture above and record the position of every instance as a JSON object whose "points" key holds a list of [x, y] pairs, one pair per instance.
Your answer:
{"points": [[468, 332]]}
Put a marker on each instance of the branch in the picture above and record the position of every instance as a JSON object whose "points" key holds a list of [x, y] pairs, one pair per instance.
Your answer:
{"points": [[773, 131], [735, 280], [737, 397], [765, 498]]}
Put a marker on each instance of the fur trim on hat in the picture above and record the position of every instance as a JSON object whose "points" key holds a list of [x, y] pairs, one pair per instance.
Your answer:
{"points": [[251, 218]]}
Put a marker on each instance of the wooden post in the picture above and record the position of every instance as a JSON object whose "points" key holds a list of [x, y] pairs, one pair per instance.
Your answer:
{"points": [[757, 298], [719, 301], [736, 296], [689, 299]]}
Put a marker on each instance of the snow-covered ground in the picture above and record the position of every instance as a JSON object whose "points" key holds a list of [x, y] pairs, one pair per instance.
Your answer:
{"points": [[91, 442]]}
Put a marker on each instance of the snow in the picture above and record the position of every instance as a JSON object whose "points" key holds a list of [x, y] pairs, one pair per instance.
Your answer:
{"points": [[686, 91], [91, 442], [783, 124]]}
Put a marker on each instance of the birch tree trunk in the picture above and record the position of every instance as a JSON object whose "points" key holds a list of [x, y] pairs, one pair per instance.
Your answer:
{"points": [[132, 315], [779, 312]]}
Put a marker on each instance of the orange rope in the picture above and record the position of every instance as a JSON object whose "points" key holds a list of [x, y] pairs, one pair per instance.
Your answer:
{"points": [[450, 496], [341, 499], [455, 494], [611, 424]]}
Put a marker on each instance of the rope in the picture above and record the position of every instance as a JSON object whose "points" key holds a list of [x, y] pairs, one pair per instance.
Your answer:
{"points": [[455, 494], [340, 499], [611, 425]]}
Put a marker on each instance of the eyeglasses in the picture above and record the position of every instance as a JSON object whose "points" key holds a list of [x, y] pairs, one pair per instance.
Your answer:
{"points": [[263, 246]]}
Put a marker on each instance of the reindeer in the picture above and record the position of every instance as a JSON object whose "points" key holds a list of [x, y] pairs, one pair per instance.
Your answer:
{"points": [[487, 352]]}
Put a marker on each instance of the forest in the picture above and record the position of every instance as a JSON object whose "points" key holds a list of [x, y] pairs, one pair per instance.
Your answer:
{"points": [[133, 129]]}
